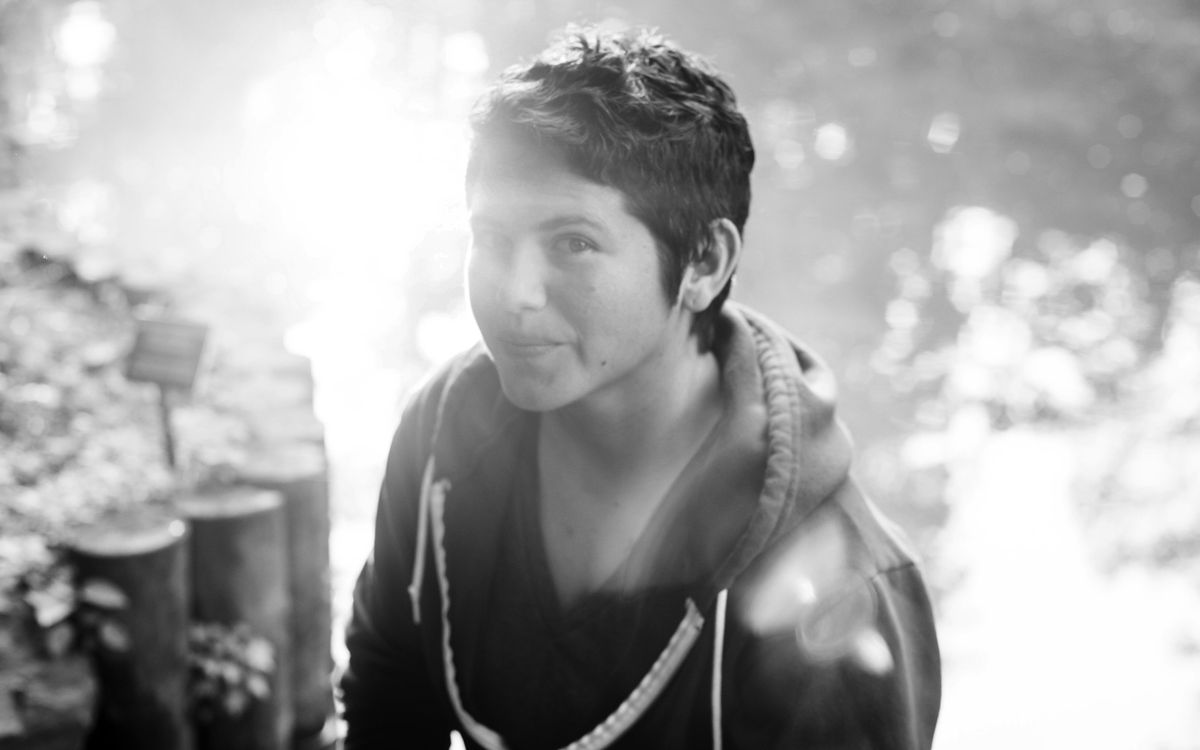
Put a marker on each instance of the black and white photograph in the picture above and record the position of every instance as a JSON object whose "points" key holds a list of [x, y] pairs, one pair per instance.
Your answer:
{"points": [[575, 375]]}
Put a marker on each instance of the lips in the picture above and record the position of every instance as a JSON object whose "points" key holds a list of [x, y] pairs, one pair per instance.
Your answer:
{"points": [[525, 346]]}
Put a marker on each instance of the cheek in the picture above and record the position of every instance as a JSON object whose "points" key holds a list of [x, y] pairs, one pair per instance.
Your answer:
{"points": [[608, 317], [478, 281]]}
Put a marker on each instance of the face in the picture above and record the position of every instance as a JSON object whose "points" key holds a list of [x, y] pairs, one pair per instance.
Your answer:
{"points": [[564, 285]]}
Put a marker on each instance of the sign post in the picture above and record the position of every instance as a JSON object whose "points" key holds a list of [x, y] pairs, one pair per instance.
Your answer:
{"points": [[167, 353]]}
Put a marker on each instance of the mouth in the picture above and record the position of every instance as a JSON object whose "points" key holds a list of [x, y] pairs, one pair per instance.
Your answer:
{"points": [[526, 347]]}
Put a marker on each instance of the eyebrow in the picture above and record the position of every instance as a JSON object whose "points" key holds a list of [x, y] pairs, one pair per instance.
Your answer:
{"points": [[558, 222], [549, 225]]}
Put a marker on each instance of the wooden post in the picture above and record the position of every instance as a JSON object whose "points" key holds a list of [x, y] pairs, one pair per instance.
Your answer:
{"points": [[299, 472], [143, 693], [239, 575], [164, 411], [264, 378], [285, 424]]}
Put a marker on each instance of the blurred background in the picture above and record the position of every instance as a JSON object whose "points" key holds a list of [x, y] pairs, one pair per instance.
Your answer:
{"points": [[985, 214]]}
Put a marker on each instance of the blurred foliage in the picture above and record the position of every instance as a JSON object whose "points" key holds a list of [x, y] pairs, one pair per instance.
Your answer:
{"points": [[76, 438], [46, 614], [229, 669], [79, 441]]}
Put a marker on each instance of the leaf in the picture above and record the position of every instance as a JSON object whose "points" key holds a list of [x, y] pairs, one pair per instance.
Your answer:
{"points": [[103, 594], [232, 673], [51, 606], [235, 702], [58, 639], [258, 686], [114, 637], [259, 655]]}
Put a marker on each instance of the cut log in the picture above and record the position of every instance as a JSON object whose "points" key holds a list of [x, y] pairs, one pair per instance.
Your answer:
{"points": [[143, 696], [299, 472], [239, 575], [286, 424], [269, 360], [267, 377]]}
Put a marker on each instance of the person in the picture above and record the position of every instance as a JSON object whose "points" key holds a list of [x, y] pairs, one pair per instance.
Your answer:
{"points": [[626, 519]]}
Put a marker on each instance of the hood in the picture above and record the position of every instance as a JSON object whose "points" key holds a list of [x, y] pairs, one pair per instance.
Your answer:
{"points": [[776, 453]]}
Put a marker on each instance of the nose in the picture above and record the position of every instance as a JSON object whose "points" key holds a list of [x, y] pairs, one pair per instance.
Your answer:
{"points": [[516, 280]]}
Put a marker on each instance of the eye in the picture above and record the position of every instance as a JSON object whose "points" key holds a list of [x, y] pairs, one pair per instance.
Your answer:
{"points": [[573, 245]]}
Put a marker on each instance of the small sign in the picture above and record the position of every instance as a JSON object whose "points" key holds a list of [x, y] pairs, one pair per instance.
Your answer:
{"points": [[167, 352]]}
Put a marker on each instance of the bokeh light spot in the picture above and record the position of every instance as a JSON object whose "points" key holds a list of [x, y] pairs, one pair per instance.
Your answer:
{"points": [[973, 241], [85, 38], [1134, 185], [465, 52], [832, 141], [944, 131]]}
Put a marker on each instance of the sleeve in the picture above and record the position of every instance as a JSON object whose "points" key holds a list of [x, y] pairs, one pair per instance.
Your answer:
{"points": [[388, 695], [863, 672]]}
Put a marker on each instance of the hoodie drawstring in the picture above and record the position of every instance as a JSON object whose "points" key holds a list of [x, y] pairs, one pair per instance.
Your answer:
{"points": [[428, 487], [718, 660], [414, 588]]}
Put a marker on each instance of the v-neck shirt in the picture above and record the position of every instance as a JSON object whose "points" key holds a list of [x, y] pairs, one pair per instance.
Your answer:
{"points": [[549, 673]]}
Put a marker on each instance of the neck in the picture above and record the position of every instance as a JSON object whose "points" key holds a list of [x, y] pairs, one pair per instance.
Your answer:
{"points": [[668, 408]]}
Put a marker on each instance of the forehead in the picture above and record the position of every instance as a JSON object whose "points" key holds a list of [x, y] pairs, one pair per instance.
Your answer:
{"points": [[515, 180]]}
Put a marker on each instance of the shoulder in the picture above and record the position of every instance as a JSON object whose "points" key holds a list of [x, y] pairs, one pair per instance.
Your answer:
{"points": [[436, 395], [839, 544], [836, 632], [458, 405]]}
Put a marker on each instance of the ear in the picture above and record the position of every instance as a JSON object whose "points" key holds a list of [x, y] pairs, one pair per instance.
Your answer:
{"points": [[713, 266]]}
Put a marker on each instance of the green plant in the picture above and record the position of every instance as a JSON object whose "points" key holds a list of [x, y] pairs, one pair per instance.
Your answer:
{"points": [[229, 669], [63, 616]]}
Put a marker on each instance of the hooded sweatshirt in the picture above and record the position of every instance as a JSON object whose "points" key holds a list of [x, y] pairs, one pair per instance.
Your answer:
{"points": [[767, 605]]}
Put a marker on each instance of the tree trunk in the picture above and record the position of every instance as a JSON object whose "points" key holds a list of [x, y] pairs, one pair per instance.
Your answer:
{"points": [[143, 695], [300, 473], [239, 575]]}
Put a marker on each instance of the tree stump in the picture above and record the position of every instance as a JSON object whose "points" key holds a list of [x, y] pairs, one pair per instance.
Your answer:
{"points": [[268, 377], [272, 361], [285, 424], [143, 696], [300, 473], [239, 575]]}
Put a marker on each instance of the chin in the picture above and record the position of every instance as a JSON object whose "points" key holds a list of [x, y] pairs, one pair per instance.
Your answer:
{"points": [[531, 396]]}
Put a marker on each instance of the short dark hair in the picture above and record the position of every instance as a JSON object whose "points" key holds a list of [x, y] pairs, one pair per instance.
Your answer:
{"points": [[635, 112]]}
